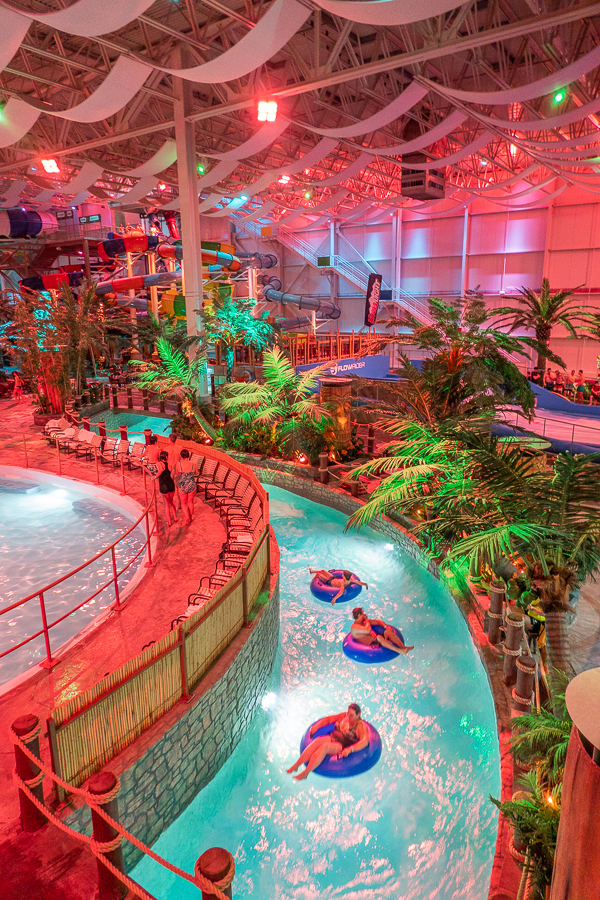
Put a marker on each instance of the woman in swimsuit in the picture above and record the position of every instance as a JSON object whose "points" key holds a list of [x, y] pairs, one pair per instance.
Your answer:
{"points": [[349, 736], [152, 456], [341, 584], [185, 471], [166, 485]]}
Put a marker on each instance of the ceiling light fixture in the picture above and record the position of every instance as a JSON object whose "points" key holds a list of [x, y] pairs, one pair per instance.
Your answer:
{"points": [[284, 179], [50, 166], [560, 96], [267, 110]]}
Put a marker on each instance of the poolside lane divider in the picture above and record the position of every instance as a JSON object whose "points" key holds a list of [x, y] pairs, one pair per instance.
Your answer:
{"points": [[49, 663], [117, 604]]}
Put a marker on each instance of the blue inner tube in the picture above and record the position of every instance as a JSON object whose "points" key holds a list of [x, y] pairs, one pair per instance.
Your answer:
{"points": [[366, 654], [327, 592], [355, 763]]}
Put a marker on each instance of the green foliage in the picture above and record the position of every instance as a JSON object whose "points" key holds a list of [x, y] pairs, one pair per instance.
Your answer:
{"points": [[230, 321], [541, 313], [150, 329], [284, 402], [174, 375], [258, 440], [488, 505], [189, 429], [535, 820]]}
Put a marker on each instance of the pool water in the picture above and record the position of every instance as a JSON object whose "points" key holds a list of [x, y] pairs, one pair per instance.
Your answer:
{"points": [[135, 424], [419, 824], [46, 530]]}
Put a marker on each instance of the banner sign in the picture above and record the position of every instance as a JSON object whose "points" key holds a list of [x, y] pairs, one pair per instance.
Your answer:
{"points": [[372, 301], [368, 367]]}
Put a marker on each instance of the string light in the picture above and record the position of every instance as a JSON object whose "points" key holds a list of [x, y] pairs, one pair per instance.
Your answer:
{"points": [[267, 110]]}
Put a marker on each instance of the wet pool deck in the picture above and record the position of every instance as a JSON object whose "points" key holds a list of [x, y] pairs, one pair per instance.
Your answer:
{"points": [[36, 866]]}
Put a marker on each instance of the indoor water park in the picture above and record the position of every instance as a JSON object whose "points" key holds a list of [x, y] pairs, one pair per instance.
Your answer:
{"points": [[299, 450]]}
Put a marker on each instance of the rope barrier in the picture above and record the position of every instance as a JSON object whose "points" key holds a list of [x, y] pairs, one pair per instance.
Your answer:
{"points": [[516, 697], [198, 880], [506, 650], [492, 615]]}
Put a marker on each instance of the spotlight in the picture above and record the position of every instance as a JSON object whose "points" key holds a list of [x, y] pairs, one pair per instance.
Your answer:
{"points": [[284, 179], [308, 195], [50, 166], [513, 149], [201, 169], [483, 163], [162, 186], [560, 96], [243, 197], [267, 110]]}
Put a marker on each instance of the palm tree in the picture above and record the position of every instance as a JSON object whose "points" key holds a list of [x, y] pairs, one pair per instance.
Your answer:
{"points": [[535, 819], [150, 329], [541, 313], [230, 321], [488, 504], [469, 370], [175, 376], [286, 403], [541, 739]]}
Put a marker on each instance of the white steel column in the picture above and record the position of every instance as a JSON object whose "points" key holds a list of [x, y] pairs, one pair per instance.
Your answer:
{"points": [[187, 172], [464, 268]]}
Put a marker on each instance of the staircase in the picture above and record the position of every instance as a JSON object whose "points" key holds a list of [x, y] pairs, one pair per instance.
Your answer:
{"points": [[339, 265]]}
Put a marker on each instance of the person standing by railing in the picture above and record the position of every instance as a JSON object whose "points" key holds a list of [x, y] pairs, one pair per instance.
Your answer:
{"points": [[173, 452], [185, 472], [166, 486]]}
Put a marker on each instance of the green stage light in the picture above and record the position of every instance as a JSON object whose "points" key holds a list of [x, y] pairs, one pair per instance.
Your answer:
{"points": [[559, 96], [307, 195], [201, 169]]}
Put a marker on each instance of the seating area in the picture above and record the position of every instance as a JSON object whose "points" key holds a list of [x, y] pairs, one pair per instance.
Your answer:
{"points": [[217, 484]]}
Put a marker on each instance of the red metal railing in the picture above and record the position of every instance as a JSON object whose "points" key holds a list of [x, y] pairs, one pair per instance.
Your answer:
{"points": [[39, 594]]}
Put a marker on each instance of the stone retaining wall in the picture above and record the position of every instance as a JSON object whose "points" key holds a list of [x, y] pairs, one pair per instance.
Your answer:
{"points": [[158, 787]]}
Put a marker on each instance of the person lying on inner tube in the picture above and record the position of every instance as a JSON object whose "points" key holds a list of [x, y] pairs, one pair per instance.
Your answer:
{"points": [[335, 581], [362, 632], [349, 736]]}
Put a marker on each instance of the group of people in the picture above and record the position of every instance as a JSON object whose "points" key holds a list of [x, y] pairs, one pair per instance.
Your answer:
{"points": [[573, 383], [349, 734], [176, 473]]}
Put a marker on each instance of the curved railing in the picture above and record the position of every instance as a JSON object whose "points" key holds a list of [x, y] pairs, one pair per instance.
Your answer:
{"points": [[101, 722], [114, 580]]}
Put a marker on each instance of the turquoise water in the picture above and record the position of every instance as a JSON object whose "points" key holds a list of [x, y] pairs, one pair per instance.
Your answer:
{"points": [[418, 825], [46, 530], [135, 424]]}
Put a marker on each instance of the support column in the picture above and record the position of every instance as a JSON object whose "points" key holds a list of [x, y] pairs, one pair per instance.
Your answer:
{"points": [[187, 172], [464, 268]]}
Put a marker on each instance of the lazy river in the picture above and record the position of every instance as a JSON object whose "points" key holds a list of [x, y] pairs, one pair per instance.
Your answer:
{"points": [[419, 824]]}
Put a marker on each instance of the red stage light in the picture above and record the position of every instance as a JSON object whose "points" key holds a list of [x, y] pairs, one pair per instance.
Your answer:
{"points": [[267, 110], [162, 186], [51, 166]]}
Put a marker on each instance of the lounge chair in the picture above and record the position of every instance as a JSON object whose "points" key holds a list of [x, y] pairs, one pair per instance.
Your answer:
{"points": [[137, 452], [214, 491], [121, 452], [70, 434], [90, 447], [108, 451]]}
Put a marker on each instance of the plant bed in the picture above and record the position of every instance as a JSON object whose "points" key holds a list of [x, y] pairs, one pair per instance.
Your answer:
{"points": [[44, 418]]}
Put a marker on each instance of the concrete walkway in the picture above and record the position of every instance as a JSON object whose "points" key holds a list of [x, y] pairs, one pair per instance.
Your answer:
{"points": [[184, 555]]}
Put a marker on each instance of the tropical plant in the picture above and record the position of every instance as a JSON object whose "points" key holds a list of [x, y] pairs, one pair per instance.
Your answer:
{"points": [[541, 739], [230, 321], [541, 313], [51, 336], [285, 402], [175, 376], [150, 329], [535, 819], [467, 372], [489, 504]]}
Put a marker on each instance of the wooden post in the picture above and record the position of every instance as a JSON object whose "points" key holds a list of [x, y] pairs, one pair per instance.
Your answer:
{"points": [[28, 729], [145, 399], [324, 468], [115, 399], [105, 786], [494, 615], [370, 440], [245, 596], [147, 435], [512, 647], [523, 691], [129, 392], [101, 428], [123, 432], [217, 866], [85, 421]]}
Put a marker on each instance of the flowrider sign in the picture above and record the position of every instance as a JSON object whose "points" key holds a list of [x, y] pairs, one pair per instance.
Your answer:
{"points": [[372, 302], [369, 367]]}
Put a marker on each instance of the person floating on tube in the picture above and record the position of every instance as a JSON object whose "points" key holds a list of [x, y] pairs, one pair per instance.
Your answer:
{"points": [[341, 583], [362, 632], [349, 736]]}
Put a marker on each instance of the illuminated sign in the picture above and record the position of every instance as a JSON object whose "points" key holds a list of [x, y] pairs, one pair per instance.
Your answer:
{"points": [[83, 220], [372, 301]]}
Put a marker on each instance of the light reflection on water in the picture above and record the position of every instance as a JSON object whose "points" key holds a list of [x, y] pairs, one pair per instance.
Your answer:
{"points": [[419, 825]]}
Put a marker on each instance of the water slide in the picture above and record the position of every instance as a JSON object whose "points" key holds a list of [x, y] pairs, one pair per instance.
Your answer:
{"points": [[153, 243], [324, 309]]}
